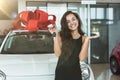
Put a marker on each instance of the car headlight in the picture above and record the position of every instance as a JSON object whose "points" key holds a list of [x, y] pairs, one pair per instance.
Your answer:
{"points": [[85, 72], [2, 75]]}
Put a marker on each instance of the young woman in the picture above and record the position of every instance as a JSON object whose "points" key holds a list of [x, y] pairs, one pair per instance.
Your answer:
{"points": [[71, 46]]}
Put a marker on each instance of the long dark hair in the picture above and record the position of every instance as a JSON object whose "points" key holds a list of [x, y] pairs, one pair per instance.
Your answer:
{"points": [[65, 31], [66, 36]]}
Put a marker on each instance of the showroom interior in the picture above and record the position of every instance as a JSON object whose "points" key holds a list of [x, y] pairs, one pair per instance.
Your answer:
{"points": [[101, 16]]}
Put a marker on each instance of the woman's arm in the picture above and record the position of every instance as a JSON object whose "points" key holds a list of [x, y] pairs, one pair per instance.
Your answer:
{"points": [[84, 50], [57, 44], [56, 39]]}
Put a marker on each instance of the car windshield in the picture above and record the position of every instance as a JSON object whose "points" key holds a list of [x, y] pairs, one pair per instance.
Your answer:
{"points": [[28, 43]]}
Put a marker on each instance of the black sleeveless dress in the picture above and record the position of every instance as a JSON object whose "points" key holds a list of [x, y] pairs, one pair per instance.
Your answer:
{"points": [[70, 68]]}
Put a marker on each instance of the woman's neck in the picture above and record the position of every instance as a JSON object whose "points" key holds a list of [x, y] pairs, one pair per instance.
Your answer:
{"points": [[75, 34]]}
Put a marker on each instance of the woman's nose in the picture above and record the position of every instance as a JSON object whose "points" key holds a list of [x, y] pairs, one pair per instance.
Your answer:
{"points": [[71, 22]]}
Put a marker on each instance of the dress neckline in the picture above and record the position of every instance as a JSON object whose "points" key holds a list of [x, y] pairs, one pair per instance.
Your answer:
{"points": [[78, 37]]}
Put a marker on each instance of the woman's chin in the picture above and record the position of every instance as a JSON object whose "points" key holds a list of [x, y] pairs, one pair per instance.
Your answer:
{"points": [[72, 29]]}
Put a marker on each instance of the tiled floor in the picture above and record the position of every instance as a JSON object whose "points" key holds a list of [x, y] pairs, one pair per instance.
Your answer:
{"points": [[102, 72]]}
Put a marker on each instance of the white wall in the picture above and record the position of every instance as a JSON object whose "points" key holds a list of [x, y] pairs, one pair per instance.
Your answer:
{"points": [[21, 5], [8, 8], [6, 24]]}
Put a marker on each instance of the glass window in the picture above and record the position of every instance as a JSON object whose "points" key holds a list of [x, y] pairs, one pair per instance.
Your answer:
{"points": [[110, 16], [44, 8], [93, 13], [73, 7], [57, 9], [100, 13], [33, 5], [31, 8], [99, 24]]}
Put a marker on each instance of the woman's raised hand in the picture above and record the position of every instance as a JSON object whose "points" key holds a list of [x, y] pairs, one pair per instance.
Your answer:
{"points": [[52, 28]]}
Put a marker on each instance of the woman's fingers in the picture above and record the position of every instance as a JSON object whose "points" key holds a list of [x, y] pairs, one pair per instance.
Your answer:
{"points": [[97, 35], [52, 28]]}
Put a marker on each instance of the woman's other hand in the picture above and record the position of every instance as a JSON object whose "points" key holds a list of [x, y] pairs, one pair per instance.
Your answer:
{"points": [[96, 35]]}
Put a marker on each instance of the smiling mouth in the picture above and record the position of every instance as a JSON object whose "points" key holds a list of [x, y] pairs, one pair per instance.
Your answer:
{"points": [[73, 26]]}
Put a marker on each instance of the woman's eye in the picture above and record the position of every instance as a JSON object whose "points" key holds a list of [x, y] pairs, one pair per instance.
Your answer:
{"points": [[73, 19], [68, 21]]}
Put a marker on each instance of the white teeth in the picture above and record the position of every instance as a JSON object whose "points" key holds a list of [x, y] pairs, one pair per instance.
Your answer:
{"points": [[73, 26]]}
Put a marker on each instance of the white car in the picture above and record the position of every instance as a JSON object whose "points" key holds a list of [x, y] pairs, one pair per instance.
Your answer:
{"points": [[29, 56]]}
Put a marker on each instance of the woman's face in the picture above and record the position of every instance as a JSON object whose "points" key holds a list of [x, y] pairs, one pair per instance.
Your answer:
{"points": [[72, 22]]}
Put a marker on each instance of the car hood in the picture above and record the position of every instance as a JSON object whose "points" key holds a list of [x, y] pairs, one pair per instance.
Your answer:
{"points": [[28, 64]]}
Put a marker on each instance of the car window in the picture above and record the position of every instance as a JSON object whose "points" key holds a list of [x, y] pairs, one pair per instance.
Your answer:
{"points": [[28, 43]]}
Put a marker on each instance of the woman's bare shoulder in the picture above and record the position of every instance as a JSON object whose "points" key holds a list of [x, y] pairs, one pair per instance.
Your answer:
{"points": [[83, 38]]}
